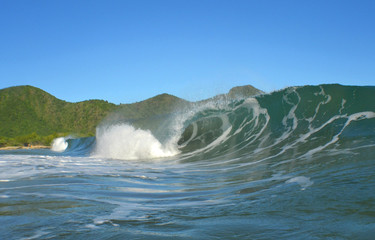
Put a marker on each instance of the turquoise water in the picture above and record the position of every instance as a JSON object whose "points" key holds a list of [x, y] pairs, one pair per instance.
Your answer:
{"points": [[294, 164]]}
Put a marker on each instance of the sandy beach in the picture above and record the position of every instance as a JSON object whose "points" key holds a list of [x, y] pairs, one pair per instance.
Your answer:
{"points": [[25, 147]]}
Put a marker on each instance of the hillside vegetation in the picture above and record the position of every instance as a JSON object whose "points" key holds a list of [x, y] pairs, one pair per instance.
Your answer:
{"points": [[31, 115]]}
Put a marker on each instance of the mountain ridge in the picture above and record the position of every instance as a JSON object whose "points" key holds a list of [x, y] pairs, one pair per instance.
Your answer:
{"points": [[28, 110]]}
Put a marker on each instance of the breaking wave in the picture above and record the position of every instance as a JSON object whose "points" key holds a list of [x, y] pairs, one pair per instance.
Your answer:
{"points": [[292, 123]]}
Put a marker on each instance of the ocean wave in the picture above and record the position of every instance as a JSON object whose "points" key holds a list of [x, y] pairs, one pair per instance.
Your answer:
{"points": [[295, 122]]}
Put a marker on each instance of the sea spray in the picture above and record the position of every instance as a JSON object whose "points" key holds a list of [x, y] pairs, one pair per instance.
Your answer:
{"points": [[123, 141], [116, 138], [59, 144]]}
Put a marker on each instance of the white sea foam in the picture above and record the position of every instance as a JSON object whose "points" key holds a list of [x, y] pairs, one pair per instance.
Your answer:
{"points": [[59, 144], [304, 182], [335, 138], [123, 141]]}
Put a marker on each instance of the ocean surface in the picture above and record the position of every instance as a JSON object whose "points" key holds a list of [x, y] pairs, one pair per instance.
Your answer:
{"points": [[298, 163]]}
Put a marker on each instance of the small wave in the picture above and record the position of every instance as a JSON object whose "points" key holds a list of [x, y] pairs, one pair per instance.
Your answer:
{"points": [[59, 144]]}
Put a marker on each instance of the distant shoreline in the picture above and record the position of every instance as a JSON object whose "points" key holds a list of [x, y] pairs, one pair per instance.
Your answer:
{"points": [[25, 147]]}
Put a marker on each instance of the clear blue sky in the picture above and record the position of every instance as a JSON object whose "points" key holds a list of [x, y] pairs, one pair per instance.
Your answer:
{"points": [[127, 51]]}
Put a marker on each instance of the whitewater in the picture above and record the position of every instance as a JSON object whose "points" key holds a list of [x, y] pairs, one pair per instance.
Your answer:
{"points": [[297, 163]]}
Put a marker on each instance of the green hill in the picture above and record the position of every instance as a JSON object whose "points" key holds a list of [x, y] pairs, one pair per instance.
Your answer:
{"points": [[158, 105], [243, 91], [31, 115], [27, 109], [27, 113], [235, 93]]}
